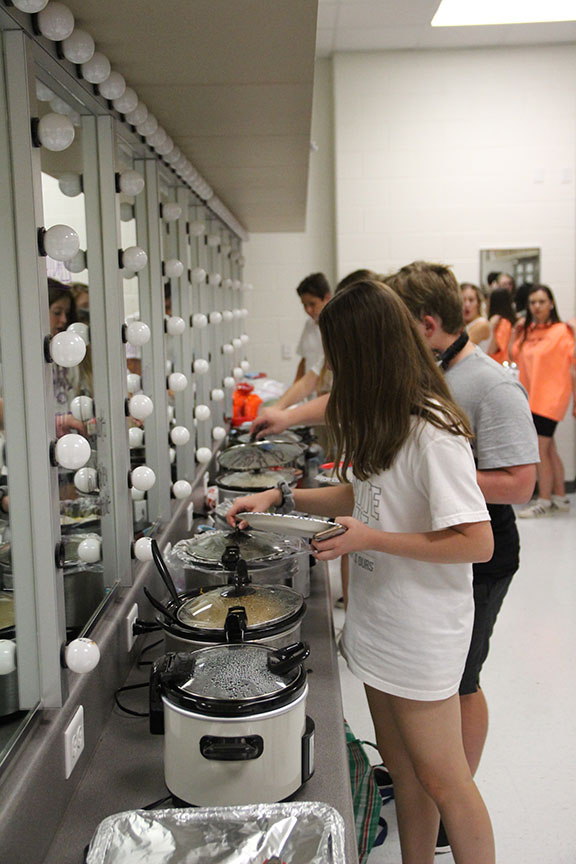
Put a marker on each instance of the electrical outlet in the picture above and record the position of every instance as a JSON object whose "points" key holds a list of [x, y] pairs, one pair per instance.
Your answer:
{"points": [[73, 741], [130, 621]]}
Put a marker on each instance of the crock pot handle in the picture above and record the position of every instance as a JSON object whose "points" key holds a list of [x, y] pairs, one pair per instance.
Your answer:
{"points": [[238, 749], [235, 624], [285, 659]]}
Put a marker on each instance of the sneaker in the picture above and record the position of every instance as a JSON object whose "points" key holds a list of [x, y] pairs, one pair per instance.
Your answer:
{"points": [[560, 502], [540, 507], [442, 843]]}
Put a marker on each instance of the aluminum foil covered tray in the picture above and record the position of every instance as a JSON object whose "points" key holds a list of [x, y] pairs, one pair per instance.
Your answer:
{"points": [[302, 832]]}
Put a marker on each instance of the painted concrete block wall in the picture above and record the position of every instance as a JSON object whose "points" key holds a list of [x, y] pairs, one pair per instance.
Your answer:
{"points": [[441, 154], [276, 263]]}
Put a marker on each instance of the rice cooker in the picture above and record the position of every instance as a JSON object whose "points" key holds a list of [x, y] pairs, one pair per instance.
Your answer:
{"points": [[236, 612], [208, 558], [234, 723]]}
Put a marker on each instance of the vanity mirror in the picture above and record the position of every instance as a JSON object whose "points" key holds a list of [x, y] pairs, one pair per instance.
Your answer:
{"points": [[523, 265]]}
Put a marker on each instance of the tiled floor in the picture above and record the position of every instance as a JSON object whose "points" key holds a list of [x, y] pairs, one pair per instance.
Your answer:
{"points": [[528, 771]]}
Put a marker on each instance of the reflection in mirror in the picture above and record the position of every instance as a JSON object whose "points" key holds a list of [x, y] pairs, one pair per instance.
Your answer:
{"points": [[137, 333], [509, 268], [72, 377]]}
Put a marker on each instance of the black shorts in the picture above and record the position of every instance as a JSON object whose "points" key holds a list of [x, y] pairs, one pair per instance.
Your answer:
{"points": [[489, 594], [544, 426]]}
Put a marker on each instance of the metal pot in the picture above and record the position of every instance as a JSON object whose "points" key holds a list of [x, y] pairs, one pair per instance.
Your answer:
{"points": [[272, 559], [236, 612], [234, 484], [234, 723]]}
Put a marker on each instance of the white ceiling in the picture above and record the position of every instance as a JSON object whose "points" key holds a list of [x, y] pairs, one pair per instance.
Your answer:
{"points": [[383, 25]]}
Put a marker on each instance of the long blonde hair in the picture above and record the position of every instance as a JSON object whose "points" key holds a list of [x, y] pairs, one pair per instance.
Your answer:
{"points": [[384, 374]]}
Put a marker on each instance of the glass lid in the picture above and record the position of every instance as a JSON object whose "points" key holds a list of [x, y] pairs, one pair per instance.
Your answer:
{"points": [[265, 605], [208, 548], [235, 672], [292, 437], [260, 454], [253, 479]]}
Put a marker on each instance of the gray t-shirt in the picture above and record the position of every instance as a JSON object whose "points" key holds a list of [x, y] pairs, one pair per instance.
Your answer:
{"points": [[497, 407]]}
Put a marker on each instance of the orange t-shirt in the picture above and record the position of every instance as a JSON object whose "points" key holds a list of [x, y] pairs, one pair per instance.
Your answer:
{"points": [[544, 360], [502, 336]]}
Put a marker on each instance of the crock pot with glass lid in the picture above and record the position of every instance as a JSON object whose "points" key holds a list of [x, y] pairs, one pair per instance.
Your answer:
{"points": [[234, 723], [271, 558], [257, 466]]}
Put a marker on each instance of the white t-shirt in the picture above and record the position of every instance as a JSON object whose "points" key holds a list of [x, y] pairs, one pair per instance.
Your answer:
{"points": [[310, 344], [409, 623]]}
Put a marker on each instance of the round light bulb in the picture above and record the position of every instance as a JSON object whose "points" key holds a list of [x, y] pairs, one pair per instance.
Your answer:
{"points": [[149, 126], [226, 283], [67, 349], [203, 455], [198, 275], [61, 242], [199, 320], [236, 313], [218, 433], [237, 373], [79, 47], [77, 264], [227, 315], [165, 147], [177, 382], [143, 478], [196, 228], [168, 366], [126, 212], [131, 182], [126, 102], [157, 138], [201, 366], [55, 21], [82, 655], [135, 436], [181, 489], [81, 329], [137, 495], [237, 342], [59, 106], [82, 408], [171, 211], [134, 258], [175, 326], [90, 550], [179, 435], [143, 549], [55, 131], [137, 333], [213, 240], [236, 285], [229, 382], [72, 451], [43, 93], [86, 480], [70, 184], [133, 382], [202, 412], [244, 365], [138, 114], [113, 87], [215, 317], [228, 348], [244, 338], [215, 279], [97, 69], [173, 268], [7, 656], [30, 6], [217, 395], [170, 413], [140, 406]]}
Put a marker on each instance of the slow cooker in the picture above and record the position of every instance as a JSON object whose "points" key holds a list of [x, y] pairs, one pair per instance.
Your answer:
{"points": [[234, 723], [235, 484], [236, 612], [205, 559], [258, 466], [9, 700]]}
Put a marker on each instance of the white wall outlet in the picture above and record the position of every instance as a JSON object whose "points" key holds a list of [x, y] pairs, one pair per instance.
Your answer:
{"points": [[130, 621], [73, 741], [286, 351]]}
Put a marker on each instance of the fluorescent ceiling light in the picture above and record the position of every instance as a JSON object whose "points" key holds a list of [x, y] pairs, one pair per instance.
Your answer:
{"points": [[464, 13]]}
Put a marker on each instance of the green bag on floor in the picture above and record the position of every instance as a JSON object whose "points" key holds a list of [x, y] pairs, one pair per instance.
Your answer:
{"points": [[366, 796]]}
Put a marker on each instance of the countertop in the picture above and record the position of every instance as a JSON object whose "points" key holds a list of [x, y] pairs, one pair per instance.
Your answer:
{"points": [[126, 771]]}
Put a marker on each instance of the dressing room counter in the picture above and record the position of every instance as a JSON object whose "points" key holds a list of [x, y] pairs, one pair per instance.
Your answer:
{"points": [[126, 770]]}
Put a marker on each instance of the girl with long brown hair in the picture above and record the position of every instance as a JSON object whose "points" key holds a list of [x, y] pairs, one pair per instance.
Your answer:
{"points": [[415, 518]]}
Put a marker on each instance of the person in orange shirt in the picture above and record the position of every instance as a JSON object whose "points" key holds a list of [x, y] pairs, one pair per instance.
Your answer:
{"points": [[501, 317], [544, 351]]}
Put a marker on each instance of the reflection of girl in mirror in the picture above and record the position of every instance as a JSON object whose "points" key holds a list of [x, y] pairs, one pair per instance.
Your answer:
{"points": [[66, 381], [543, 348], [472, 309], [502, 318]]}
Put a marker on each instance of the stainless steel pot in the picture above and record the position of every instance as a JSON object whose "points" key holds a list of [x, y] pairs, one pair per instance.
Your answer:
{"points": [[234, 484], [234, 723], [272, 560]]}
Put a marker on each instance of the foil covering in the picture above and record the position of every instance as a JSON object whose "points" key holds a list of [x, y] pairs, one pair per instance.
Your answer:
{"points": [[301, 832]]}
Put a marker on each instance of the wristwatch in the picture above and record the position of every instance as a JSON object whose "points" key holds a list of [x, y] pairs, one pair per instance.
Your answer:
{"points": [[288, 504]]}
